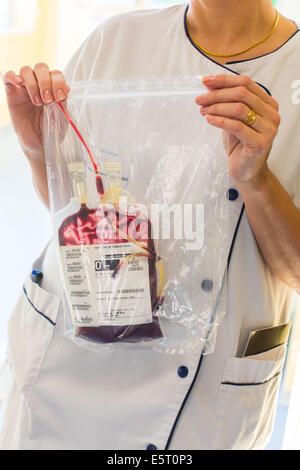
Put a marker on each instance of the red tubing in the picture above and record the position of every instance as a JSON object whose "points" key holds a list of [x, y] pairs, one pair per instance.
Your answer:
{"points": [[99, 183]]}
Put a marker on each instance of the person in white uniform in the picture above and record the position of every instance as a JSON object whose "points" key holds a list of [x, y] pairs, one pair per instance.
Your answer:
{"points": [[62, 397]]}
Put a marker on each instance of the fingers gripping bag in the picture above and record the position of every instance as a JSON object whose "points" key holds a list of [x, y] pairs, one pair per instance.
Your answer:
{"points": [[138, 182]]}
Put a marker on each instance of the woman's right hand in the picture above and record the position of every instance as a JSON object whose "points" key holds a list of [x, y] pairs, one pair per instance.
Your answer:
{"points": [[26, 93]]}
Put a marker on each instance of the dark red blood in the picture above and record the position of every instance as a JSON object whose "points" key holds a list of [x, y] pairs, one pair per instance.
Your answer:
{"points": [[99, 185], [97, 227]]}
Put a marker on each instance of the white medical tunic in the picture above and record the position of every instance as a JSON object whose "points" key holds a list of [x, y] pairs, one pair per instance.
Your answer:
{"points": [[59, 396]]}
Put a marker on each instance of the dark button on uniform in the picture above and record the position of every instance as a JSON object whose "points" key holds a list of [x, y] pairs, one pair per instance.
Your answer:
{"points": [[183, 372], [207, 285], [37, 277], [151, 447], [232, 194]]}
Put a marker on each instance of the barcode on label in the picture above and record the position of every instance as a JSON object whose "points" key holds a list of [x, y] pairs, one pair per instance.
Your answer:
{"points": [[130, 291]]}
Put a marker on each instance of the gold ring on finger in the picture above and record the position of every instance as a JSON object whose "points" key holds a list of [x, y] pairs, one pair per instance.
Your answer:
{"points": [[250, 118]]}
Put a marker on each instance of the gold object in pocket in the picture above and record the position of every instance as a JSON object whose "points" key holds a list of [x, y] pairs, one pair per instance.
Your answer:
{"points": [[267, 338]]}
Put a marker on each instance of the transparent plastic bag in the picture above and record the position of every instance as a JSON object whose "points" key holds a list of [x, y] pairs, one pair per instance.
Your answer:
{"points": [[138, 182]]}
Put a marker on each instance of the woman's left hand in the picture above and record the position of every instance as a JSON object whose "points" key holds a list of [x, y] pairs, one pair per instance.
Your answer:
{"points": [[226, 106]]}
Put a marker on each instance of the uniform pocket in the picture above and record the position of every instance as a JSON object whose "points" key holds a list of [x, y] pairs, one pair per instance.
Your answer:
{"points": [[247, 400], [30, 330]]}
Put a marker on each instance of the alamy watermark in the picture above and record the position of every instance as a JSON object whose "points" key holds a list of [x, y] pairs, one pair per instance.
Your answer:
{"points": [[157, 221]]}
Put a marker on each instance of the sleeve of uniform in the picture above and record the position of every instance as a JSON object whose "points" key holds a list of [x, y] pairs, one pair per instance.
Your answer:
{"points": [[104, 53], [82, 64]]}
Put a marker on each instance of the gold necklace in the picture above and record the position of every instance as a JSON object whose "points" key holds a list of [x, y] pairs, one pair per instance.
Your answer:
{"points": [[236, 53]]}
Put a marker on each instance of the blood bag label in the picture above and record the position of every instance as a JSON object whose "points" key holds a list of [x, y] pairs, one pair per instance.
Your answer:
{"points": [[96, 297]]}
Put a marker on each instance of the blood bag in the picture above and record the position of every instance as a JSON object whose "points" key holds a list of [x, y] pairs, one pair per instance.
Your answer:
{"points": [[109, 258], [138, 182]]}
